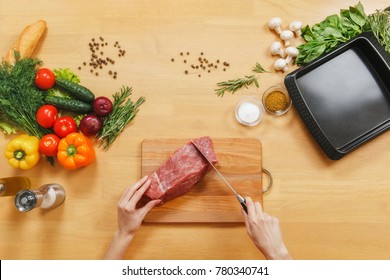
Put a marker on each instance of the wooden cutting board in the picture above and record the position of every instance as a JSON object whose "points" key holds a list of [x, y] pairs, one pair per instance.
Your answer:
{"points": [[210, 200]]}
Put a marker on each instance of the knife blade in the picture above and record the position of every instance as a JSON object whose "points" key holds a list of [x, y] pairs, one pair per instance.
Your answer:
{"points": [[240, 199]]}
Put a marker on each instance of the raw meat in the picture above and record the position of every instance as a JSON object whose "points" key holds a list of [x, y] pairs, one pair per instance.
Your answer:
{"points": [[182, 170]]}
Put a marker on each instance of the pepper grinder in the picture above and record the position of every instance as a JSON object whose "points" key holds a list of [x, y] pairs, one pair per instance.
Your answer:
{"points": [[48, 196]]}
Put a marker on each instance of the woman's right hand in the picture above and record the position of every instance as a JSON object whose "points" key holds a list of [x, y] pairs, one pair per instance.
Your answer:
{"points": [[264, 230]]}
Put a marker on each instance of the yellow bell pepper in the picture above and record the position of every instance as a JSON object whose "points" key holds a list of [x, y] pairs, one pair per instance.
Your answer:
{"points": [[22, 152]]}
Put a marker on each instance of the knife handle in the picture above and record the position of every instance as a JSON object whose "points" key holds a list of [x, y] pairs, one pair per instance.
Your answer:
{"points": [[243, 204]]}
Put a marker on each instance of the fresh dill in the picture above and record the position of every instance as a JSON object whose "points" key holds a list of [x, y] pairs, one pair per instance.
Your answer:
{"points": [[20, 98]]}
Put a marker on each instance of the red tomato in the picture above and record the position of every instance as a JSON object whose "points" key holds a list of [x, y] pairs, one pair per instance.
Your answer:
{"points": [[46, 115], [48, 145], [64, 125], [45, 79]]}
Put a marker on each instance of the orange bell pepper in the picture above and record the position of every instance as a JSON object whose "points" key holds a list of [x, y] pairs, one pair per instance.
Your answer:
{"points": [[75, 150]]}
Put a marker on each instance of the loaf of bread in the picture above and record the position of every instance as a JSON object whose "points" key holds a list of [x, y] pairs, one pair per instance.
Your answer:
{"points": [[27, 41]]}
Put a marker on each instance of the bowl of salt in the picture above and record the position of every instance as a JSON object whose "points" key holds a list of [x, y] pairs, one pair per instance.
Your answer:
{"points": [[249, 111]]}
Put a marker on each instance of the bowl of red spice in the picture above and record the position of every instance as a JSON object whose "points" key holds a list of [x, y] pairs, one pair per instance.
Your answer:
{"points": [[276, 100]]}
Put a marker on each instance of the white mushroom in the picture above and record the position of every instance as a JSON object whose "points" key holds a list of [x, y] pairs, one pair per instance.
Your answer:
{"points": [[295, 27], [277, 49], [275, 24], [286, 36], [292, 52], [280, 65]]}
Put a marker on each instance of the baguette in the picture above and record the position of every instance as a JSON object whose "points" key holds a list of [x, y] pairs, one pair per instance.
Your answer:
{"points": [[26, 42]]}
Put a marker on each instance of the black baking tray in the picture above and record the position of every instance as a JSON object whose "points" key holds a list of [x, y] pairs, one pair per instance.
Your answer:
{"points": [[343, 97]]}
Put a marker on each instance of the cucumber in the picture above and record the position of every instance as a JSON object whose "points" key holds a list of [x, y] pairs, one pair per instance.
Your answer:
{"points": [[75, 90], [71, 105]]}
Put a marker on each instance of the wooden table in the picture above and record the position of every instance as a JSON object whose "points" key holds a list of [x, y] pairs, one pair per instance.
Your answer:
{"points": [[327, 209]]}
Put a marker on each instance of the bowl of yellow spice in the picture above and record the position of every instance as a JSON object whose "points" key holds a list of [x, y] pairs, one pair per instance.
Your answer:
{"points": [[276, 100]]}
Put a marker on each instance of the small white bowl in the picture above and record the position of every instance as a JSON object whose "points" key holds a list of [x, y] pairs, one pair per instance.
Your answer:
{"points": [[249, 111]]}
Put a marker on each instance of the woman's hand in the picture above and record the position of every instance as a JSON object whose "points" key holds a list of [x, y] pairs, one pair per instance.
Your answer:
{"points": [[265, 231], [129, 218]]}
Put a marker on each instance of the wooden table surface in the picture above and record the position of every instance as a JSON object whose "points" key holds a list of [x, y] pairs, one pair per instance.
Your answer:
{"points": [[327, 209]]}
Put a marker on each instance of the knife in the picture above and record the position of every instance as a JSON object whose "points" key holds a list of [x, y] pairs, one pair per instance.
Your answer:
{"points": [[240, 199]]}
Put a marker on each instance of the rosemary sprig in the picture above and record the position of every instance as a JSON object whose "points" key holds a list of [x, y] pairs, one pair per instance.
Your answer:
{"points": [[123, 112], [259, 69], [233, 85]]}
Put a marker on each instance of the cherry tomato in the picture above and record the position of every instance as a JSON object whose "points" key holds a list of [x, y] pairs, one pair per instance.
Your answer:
{"points": [[64, 125], [45, 79], [46, 115], [48, 145]]}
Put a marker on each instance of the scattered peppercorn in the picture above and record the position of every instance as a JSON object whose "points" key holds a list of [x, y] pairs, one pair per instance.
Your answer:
{"points": [[202, 63], [97, 61]]}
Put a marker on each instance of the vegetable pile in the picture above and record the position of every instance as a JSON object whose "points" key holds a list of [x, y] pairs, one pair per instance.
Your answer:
{"points": [[327, 35], [57, 115]]}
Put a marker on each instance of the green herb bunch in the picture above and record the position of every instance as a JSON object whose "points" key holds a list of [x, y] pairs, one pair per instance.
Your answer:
{"points": [[124, 110], [327, 35], [380, 26], [20, 98]]}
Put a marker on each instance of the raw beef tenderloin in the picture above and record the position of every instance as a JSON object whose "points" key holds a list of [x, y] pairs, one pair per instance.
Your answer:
{"points": [[182, 170]]}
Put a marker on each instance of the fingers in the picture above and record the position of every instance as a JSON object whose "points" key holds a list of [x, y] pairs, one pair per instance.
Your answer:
{"points": [[250, 206], [139, 193], [247, 225], [145, 210], [258, 207], [129, 192], [255, 211], [139, 184]]}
